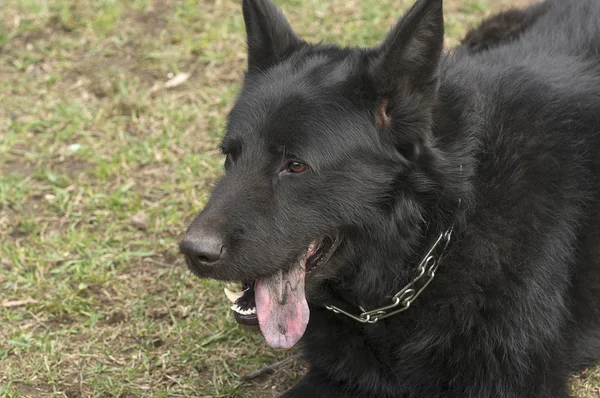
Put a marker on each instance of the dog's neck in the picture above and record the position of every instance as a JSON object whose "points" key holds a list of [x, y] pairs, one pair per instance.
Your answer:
{"points": [[393, 255]]}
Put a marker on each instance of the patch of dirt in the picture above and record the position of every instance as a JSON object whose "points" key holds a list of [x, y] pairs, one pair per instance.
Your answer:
{"points": [[17, 232], [152, 20], [59, 322], [73, 167], [171, 257], [73, 392], [24, 169], [14, 162], [116, 318], [32, 390], [97, 74], [13, 214]]}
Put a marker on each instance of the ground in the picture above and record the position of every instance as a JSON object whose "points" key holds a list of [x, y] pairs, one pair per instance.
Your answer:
{"points": [[109, 121]]}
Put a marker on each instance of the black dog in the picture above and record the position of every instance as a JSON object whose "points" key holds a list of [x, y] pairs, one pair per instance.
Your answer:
{"points": [[355, 176]]}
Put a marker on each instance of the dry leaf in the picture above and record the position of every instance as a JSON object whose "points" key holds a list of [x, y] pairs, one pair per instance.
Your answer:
{"points": [[17, 303], [140, 220], [177, 80]]}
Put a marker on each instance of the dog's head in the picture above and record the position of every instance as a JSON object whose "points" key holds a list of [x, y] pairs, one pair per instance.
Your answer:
{"points": [[325, 147]]}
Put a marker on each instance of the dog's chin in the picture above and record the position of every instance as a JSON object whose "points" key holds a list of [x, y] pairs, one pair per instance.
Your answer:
{"points": [[242, 294]]}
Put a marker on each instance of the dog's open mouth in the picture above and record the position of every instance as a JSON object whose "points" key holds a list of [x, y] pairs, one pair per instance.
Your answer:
{"points": [[277, 302]]}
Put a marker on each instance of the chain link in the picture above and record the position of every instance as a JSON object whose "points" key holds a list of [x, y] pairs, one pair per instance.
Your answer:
{"points": [[402, 300]]}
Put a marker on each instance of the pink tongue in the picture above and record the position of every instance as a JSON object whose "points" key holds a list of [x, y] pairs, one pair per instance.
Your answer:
{"points": [[281, 307]]}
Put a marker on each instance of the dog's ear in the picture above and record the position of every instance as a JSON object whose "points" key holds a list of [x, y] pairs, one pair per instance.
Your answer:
{"points": [[270, 37], [404, 70], [409, 57]]}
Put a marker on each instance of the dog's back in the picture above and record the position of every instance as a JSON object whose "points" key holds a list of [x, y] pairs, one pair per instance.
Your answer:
{"points": [[569, 27], [540, 164]]}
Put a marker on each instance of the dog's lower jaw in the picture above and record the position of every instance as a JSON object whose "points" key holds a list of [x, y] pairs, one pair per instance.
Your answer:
{"points": [[277, 302]]}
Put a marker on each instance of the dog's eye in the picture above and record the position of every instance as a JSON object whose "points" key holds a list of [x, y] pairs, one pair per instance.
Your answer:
{"points": [[230, 158], [228, 161], [295, 166]]}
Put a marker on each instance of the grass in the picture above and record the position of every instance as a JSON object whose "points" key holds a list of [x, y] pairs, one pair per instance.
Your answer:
{"points": [[101, 167]]}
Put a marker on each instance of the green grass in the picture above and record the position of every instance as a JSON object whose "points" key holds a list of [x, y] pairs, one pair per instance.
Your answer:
{"points": [[101, 167]]}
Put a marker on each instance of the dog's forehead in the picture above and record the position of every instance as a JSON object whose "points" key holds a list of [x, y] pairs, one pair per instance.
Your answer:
{"points": [[296, 101], [322, 69]]}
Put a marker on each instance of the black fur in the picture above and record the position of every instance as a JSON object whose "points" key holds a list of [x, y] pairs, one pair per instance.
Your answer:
{"points": [[503, 27], [513, 133]]}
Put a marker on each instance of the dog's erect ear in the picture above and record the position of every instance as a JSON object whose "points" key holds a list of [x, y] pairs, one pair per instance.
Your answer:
{"points": [[270, 37], [409, 56], [404, 70]]}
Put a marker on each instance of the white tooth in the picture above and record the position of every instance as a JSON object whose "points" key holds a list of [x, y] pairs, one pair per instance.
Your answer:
{"points": [[240, 311], [232, 296], [234, 286]]}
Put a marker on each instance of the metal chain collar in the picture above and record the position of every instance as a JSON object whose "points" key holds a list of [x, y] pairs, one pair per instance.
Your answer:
{"points": [[404, 298]]}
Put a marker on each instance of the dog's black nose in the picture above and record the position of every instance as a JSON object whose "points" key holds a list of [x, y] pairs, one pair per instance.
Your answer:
{"points": [[205, 248]]}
